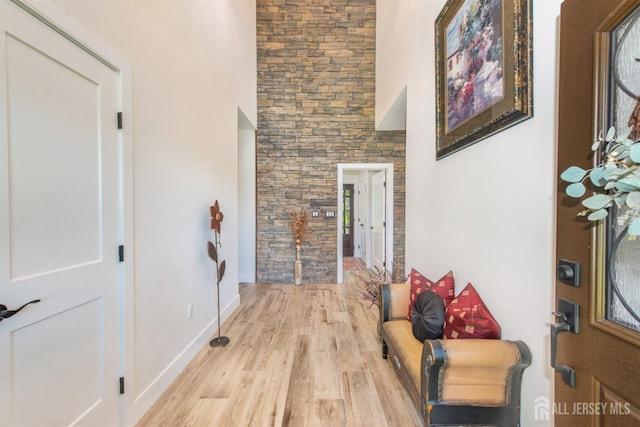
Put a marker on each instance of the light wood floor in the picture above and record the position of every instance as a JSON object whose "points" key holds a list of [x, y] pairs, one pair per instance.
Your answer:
{"points": [[299, 356]]}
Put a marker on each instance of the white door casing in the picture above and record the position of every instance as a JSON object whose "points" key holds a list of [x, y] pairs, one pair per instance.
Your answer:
{"points": [[378, 220], [60, 227], [388, 209]]}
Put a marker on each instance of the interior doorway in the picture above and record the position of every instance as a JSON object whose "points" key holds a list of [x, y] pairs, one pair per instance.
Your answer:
{"points": [[348, 241], [247, 141], [371, 214]]}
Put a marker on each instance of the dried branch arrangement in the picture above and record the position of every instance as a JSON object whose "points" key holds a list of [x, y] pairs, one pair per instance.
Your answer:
{"points": [[369, 287], [298, 225], [370, 282]]}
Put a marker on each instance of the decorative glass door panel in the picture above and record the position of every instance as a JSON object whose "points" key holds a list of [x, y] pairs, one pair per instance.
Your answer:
{"points": [[347, 220], [347, 211], [620, 107]]}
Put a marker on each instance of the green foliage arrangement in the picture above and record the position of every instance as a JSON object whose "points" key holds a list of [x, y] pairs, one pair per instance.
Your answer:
{"points": [[616, 177]]}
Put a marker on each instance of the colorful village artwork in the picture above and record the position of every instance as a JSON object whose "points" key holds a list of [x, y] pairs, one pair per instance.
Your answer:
{"points": [[474, 60]]}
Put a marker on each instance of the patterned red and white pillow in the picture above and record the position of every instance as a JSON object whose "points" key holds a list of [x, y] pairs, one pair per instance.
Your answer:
{"points": [[445, 287], [467, 316]]}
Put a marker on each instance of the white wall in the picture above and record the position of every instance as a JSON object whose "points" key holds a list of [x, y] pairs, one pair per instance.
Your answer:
{"points": [[392, 64], [486, 212], [192, 67]]}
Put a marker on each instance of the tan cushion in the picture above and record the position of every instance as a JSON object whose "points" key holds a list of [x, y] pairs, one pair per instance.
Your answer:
{"points": [[399, 298], [409, 349]]}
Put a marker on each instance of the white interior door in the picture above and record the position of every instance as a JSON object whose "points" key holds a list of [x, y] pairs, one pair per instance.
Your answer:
{"points": [[59, 229], [378, 220], [361, 230]]}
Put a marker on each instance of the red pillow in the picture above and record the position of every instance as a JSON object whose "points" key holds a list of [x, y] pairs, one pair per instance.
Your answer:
{"points": [[468, 317], [445, 287]]}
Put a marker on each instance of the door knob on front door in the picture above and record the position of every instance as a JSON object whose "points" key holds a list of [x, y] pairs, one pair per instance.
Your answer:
{"points": [[6, 313]]}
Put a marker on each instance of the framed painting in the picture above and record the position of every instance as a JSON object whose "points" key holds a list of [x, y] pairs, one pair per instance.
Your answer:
{"points": [[483, 70]]}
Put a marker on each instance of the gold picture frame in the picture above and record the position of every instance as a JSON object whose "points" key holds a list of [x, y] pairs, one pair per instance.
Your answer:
{"points": [[483, 70]]}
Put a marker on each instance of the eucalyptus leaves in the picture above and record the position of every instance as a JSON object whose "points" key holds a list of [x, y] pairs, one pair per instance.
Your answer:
{"points": [[618, 175]]}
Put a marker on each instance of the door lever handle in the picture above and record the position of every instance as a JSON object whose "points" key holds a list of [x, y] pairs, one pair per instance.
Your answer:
{"points": [[568, 374], [6, 313], [564, 317]]}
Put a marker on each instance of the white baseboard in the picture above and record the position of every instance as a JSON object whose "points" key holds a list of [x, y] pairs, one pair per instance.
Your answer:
{"points": [[147, 397]]}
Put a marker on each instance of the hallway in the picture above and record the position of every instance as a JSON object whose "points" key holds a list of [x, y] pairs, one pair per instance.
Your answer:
{"points": [[299, 355]]}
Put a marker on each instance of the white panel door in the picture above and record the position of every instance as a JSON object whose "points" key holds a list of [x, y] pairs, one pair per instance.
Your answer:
{"points": [[361, 232], [59, 229], [378, 220]]}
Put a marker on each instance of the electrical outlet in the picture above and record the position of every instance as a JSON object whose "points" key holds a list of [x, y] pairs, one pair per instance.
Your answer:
{"points": [[189, 310]]}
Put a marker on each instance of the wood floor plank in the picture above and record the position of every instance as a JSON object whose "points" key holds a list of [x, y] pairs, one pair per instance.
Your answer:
{"points": [[330, 412], [392, 395], [298, 356], [326, 368], [270, 407], [363, 409], [207, 412], [300, 389]]}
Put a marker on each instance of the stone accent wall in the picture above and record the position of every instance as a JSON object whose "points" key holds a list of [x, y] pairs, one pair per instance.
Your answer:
{"points": [[316, 92]]}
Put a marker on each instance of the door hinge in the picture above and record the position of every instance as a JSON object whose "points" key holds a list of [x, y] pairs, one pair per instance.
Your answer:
{"points": [[121, 385], [121, 253], [384, 184], [119, 119]]}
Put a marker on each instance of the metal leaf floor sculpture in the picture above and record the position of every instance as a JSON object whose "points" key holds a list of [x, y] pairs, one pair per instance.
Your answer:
{"points": [[212, 249]]}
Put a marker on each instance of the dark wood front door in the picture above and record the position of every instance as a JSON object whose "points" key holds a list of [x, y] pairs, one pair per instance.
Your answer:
{"points": [[597, 382], [347, 230]]}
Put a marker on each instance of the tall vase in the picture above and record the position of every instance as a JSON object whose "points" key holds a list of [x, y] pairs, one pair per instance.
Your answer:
{"points": [[297, 271]]}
